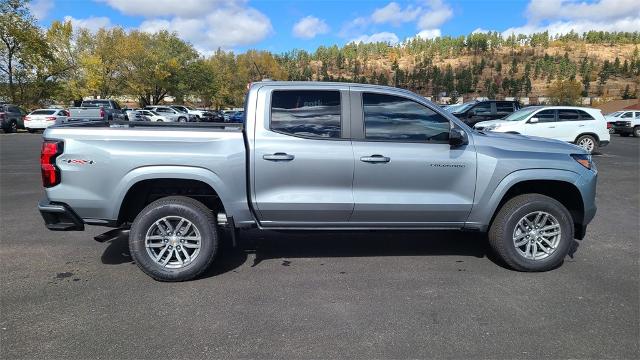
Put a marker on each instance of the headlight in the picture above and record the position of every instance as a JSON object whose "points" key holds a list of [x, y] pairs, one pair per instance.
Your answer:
{"points": [[583, 159]]}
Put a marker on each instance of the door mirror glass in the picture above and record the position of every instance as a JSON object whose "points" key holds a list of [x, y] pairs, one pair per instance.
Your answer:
{"points": [[458, 138], [533, 120]]}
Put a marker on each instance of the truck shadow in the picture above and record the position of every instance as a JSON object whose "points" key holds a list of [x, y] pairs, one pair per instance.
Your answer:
{"points": [[270, 245]]}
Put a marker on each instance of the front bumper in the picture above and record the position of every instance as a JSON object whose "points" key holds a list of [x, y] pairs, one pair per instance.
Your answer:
{"points": [[59, 216]]}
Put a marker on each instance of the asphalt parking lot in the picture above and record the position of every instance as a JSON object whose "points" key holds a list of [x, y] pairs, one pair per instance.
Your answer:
{"points": [[328, 295]]}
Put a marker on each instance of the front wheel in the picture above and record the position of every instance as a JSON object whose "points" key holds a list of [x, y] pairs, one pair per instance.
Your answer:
{"points": [[636, 131], [588, 143], [532, 232], [182, 119], [174, 239]]}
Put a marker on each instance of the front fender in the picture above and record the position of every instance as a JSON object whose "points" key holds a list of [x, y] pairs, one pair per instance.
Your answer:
{"points": [[486, 204]]}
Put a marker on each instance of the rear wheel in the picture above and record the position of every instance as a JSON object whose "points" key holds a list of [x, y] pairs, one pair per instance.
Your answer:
{"points": [[182, 119], [31, 131], [532, 232], [174, 239], [588, 143]]}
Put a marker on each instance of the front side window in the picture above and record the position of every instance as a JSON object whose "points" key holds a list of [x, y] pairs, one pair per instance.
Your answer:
{"points": [[306, 113], [546, 116], [394, 118]]}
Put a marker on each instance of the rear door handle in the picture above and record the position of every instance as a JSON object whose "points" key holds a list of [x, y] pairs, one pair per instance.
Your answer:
{"points": [[552, 127], [375, 159], [279, 156]]}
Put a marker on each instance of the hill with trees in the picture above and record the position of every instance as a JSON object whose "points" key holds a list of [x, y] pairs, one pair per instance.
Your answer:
{"points": [[61, 64]]}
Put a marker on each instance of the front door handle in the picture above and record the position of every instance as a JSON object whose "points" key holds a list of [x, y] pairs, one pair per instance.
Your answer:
{"points": [[279, 156], [375, 159], [552, 127]]}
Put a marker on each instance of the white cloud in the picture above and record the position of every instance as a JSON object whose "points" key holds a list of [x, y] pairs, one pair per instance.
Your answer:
{"points": [[207, 24], [309, 27], [377, 37], [429, 34], [570, 9], [428, 16], [178, 8], [437, 13], [562, 27], [40, 8], [91, 23], [480, 31], [561, 17], [394, 14]]}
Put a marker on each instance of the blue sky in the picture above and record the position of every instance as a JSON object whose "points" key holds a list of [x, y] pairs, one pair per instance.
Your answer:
{"points": [[283, 25]]}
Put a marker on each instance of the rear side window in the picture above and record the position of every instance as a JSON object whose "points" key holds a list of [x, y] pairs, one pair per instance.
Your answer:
{"points": [[585, 115], [394, 118], [546, 116], [568, 115], [504, 108], [482, 108], [627, 115], [43, 112], [307, 113]]}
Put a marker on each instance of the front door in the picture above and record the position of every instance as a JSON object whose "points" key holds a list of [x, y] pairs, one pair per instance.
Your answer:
{"points": [[406, 173], [303, 159], [546, 126]]}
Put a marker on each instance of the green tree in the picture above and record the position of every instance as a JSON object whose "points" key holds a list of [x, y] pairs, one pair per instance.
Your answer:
{"points": [[564, 92]]}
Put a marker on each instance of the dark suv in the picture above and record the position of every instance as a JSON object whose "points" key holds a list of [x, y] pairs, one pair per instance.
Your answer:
{"points": [[475, 111], [11, 118]]}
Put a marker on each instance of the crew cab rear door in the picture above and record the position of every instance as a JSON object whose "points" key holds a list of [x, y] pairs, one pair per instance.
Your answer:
{"points": [[302, 159], [406, 173]]}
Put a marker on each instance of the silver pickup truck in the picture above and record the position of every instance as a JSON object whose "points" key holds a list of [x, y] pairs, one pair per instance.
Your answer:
{"points": [[316, 156], [95, 110]]}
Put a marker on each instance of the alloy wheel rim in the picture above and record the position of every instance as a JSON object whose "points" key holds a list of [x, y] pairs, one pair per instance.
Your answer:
{"points": [[173, 242], [537, 235], [587, 144]]}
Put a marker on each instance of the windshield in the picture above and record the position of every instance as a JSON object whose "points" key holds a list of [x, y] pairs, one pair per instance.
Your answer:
{"points": [[462, 108], [520, 114]]}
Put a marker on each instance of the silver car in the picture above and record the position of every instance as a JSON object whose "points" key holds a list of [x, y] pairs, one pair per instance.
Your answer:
{"points": [[171, 114]]}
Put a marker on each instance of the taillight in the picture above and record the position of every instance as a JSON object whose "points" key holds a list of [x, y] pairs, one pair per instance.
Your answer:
{"points": [[609, 125], [101, 112], [27, 118], [51, 149], [51, 118]]}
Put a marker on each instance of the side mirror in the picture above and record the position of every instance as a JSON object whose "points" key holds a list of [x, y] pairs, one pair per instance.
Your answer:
{"points": [[458, 138], [533, 120]]}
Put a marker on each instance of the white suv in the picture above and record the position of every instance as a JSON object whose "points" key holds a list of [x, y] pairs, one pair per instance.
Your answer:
{"points": [[585, 127]]}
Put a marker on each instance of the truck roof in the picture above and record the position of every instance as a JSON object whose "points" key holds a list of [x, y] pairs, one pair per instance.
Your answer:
{"points": [[325, 84]]}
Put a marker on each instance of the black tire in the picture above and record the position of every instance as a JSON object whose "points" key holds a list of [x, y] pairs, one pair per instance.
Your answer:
{"points": [[589, 137], [182, 119], [31, 131], [194, 211], [624, 134], [503, 227], [11, 127], [636, 131]]}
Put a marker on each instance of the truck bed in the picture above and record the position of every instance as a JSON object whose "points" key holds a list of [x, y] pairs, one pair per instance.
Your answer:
{"points": [[100, 163]]}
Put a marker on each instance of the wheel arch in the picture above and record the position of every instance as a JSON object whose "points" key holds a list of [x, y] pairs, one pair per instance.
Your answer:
{"points": [[595, 136], [146, 184], [555, 183]]}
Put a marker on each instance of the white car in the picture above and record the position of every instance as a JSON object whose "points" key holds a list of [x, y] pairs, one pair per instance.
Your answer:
{"points": [[43, 118], [151, 115], [189, 110], [585, 127]]}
